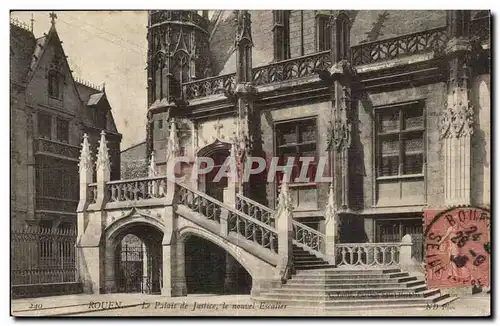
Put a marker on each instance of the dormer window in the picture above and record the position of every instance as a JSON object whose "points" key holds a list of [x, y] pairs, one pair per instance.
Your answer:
{"points": [[54, 84]]}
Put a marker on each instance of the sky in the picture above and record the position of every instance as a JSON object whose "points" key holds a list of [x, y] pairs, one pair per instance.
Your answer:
{"points": [[110, 47]]}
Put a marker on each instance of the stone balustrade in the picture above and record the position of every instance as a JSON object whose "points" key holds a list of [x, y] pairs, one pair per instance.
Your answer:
{"points": [[374, 254], [396, 47], [309, 237], [255, 210], [229, 218], [137, 189]]}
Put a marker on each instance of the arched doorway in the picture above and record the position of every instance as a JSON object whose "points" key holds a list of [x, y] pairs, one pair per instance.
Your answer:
{"points": [[218, 151], [209, 269], [138, 259]]}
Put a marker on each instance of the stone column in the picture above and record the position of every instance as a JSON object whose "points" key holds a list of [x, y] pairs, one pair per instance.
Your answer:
{"points": [[456, 121], [90, 248], [405, 252], [85, 168], [284, 227], [331, 227], [232, 181], [231, 277], [340, 79], [247, 125]]}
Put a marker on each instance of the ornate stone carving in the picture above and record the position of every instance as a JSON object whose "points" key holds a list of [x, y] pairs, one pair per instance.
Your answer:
{"points": [[102, 154], [330, 210], [339, 135], [172, 142], [457, 121], [243, 26], [284, 199], [86, 155]]}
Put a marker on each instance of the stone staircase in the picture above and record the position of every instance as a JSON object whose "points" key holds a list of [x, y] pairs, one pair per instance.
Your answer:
{"points": [[352, 289], [304, 260]]}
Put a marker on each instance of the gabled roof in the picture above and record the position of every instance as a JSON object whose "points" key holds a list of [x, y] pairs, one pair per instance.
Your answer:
{"points": [[94, 99]]}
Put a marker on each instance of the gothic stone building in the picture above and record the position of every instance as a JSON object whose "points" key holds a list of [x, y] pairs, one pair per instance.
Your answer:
{"points": [[399, 102], [50, 111]]}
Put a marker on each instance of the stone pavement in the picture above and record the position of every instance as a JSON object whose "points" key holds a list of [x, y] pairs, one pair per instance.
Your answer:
{"points": [[222, 305]]}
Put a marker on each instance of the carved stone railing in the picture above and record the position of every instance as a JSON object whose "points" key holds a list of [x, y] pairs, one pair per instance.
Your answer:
{"points": [[92, 193], [209, 86], [56, 204], [136, 189], [309, 237], [255, 210], [409, 44], [303, 235], [252, 229], [47, 146], [368, 254], [292, 68], [481, 28]]}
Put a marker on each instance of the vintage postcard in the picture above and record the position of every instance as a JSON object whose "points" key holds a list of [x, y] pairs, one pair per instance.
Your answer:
{"points": [[250, 163]]}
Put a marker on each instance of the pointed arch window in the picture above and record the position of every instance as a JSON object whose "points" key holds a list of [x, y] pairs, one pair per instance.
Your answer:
{"points": [[281, 32], [54, 84], [341, 25], [324, 31]]}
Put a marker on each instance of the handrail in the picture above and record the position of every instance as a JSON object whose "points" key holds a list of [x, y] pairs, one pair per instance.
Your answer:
{"points": [[308, 228], [228, 208], [253, 202], [133, 180]]}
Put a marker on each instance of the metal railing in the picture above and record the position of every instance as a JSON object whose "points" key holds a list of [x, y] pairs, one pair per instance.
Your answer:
{"points": [[40, 256]]}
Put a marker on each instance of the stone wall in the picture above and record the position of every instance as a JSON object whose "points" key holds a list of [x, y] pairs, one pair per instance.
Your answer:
{"points": [[434, 98]]}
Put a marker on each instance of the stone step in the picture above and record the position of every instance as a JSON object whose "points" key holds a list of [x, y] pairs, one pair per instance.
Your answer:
{"points": [[355, 271], [312, 266], [332, 281], [309, 262], [308, 257], [333, 276], [367, 289], [357, 302], [346, 286]]}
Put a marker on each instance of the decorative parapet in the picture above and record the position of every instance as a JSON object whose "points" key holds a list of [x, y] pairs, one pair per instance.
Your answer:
{"points": [[54, 148], [209, 86], [290, 69], [396, 47]]}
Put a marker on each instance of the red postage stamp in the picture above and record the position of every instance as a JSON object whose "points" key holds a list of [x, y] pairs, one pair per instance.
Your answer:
{"points": [[457, 247]]}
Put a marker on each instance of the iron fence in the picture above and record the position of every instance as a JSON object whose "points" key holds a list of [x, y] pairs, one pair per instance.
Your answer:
{"points": [[43, 255]]}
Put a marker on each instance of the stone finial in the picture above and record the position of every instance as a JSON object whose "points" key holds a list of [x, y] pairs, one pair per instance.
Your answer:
{"points": [[284, 198], [102, 154], [330, 210], [85, 155], [243, 26], [152, 165]]}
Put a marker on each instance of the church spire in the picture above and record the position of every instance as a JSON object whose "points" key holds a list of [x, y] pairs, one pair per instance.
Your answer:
{"points": [[53, 17]]}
